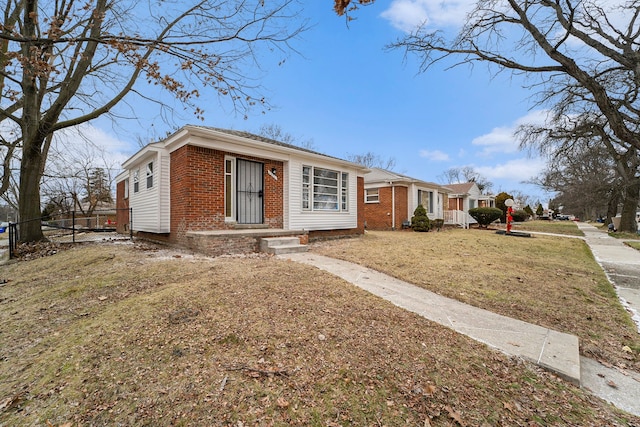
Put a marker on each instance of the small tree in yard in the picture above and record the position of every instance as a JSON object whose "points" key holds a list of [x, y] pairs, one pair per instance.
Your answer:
{"points": [[485, 216], [539, 210], [528, 210], [420, 220], [500, 199]]}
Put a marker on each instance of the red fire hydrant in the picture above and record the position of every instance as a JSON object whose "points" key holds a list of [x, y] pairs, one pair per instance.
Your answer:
{"points": [[509, 218]]}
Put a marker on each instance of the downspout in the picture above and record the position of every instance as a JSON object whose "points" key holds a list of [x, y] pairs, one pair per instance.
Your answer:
{"points": [[393, 206]]}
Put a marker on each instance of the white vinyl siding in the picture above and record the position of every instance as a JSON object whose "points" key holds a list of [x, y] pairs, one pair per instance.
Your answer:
{"points": [[150, 205], [299, 218]]}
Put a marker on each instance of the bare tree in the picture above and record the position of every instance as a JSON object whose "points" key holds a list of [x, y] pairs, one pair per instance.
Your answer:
{"points": [[81, 179], [456, 175], [68, 62], [275, 132], [600, 166], [580, 57], [372, 160], [585, 178]]}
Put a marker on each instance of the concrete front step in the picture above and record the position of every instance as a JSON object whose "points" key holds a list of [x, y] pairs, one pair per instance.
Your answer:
{"points": [[281, 245]]}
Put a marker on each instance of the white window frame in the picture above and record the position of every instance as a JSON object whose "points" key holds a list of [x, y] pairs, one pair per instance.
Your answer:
{"points": [[430, 200], [313, 184], [344, 191], [372, 195], [126, 188], [229, 188], [136, 180], [149, 175]]}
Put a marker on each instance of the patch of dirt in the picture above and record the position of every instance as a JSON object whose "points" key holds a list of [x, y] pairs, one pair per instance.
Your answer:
{"points": [[126, 335]]}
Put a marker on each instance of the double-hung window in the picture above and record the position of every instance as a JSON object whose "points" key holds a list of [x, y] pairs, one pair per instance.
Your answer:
{"points": [[372, 195], [324, 189], [136, 180], [149, 174]]}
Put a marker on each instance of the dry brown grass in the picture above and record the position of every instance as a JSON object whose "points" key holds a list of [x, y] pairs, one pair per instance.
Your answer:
{"points": [[124, 335], [546, 280]]}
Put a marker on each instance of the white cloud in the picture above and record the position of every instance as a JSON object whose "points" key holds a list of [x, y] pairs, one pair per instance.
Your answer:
{"points": [[116, 149], [434, 155], [406, 15], [502, 139], [515, 170]]}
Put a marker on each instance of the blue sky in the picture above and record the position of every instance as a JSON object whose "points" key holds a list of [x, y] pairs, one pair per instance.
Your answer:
{"points": [[350, 95]]}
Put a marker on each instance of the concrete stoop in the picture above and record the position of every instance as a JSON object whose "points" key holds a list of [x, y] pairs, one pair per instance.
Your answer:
{"points": [[281, 245]]}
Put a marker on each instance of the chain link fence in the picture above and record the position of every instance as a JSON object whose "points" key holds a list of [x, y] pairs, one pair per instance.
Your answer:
{"points": [[75, 227]]}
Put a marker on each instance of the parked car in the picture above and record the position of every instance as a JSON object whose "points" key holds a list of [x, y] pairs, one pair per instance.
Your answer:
{"points": [[3, 226], [563, 217]]}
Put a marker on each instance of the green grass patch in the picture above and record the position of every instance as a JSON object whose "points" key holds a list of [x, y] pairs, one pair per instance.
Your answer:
{"points": [[555, 227], [634, 245]]}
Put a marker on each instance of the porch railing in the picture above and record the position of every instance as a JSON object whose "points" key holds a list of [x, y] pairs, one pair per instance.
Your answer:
{"points": [[459, 218]]}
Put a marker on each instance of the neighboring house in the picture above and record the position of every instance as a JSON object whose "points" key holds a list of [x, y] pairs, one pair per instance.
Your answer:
{"points": [[203, 182], [390, 199], [463, 197]]}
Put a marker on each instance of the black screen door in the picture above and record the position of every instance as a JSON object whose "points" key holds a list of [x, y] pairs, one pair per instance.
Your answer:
{"points": [[250, 185]]}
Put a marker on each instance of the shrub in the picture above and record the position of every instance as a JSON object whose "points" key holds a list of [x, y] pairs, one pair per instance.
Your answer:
{"points": [[500, 199], [485, 216], [520, 216], [420, 220]]}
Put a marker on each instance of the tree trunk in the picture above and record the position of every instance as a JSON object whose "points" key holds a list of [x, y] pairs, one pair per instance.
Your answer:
{"points": [[612, 207], [29, 203], [629, 207]]}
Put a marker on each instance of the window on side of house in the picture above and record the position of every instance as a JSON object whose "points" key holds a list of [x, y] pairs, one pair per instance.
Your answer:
{"points": [[136, 180], [149, 174], [344, 192], [372, 195], [425, 198], [324, 189], [126, 188], [229, 185], [306, 188]]}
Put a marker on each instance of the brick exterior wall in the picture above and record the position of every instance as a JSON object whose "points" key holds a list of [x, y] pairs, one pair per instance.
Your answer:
{"points": [[197, 191], [122, 210], [379, 215]]}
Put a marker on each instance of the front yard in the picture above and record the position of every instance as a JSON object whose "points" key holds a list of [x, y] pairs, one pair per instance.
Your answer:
{"points": [[546, 280], [135, 335]]}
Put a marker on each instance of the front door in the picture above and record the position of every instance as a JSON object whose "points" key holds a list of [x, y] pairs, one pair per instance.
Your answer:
{"points": [[250, 192]]}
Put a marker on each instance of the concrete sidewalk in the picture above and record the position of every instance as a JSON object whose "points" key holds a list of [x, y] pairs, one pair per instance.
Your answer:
{"points": [[556, 351], [553, 350], [621, 264]]}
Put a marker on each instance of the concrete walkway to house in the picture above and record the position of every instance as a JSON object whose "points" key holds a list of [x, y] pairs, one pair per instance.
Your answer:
{"points": [[556, 351]]}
